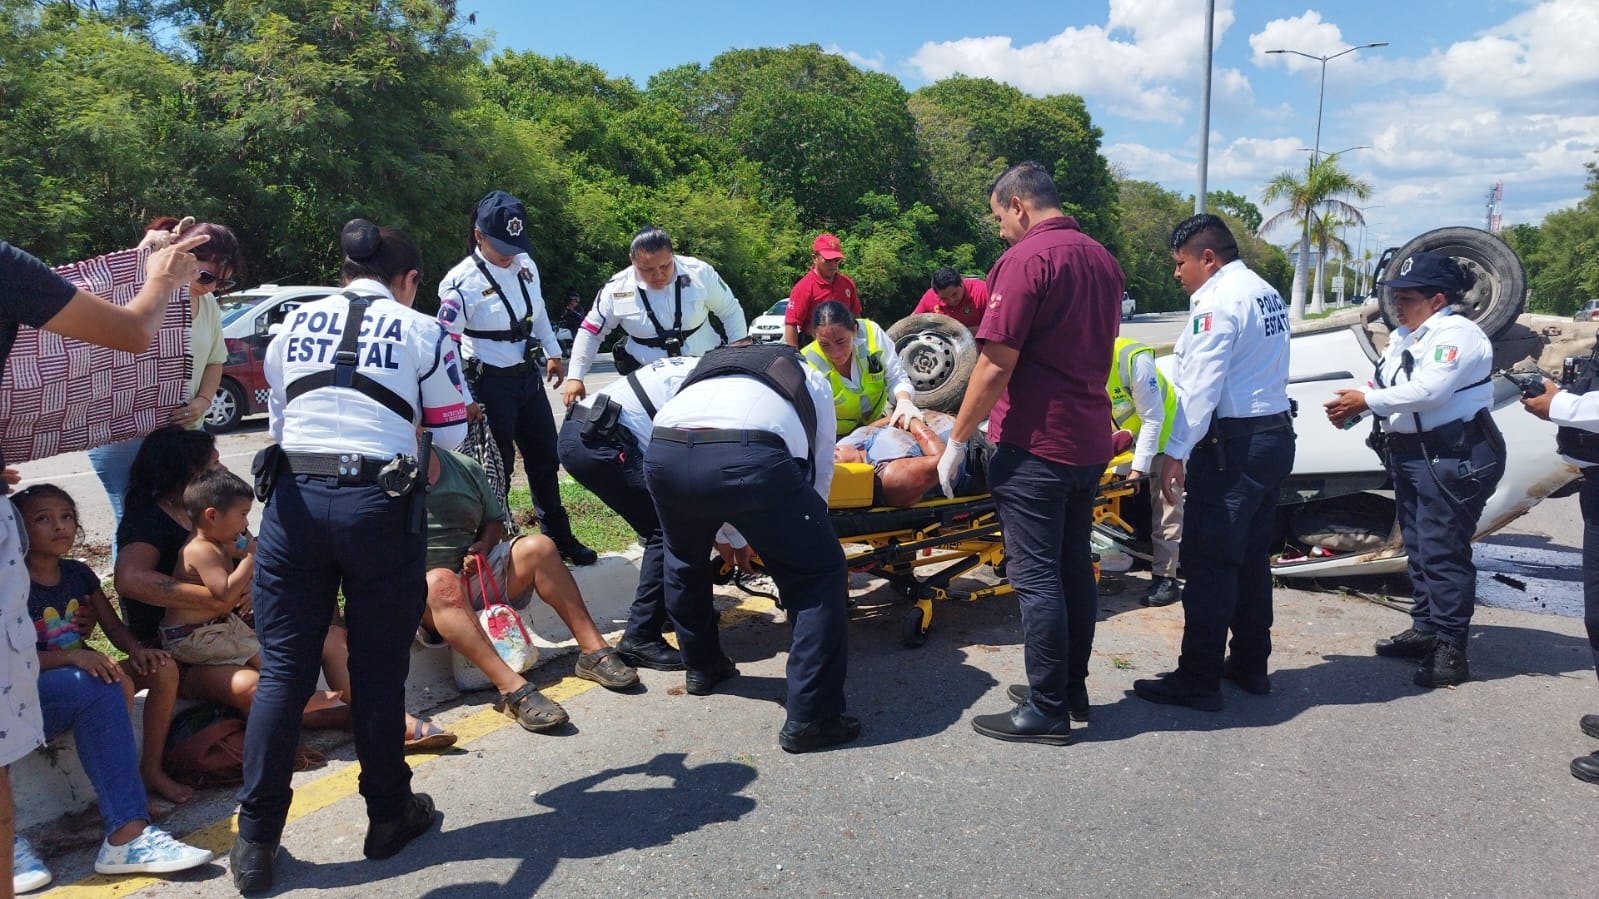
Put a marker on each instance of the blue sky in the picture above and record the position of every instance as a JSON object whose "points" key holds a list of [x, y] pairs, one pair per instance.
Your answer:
{"points": [[1467, 92]]}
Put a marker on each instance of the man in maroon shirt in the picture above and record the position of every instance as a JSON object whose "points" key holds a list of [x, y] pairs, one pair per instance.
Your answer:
{"points": [[822, 283], [1053, 310], [963, 299]]}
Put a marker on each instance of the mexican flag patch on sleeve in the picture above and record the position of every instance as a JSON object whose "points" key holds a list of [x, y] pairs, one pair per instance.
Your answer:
{"points": [[1202, 322], [1445, 354]]}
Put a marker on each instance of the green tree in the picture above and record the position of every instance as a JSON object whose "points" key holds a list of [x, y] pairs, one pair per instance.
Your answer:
{"points": [[1148, 212], [1561, 254], [1238, 206], [1323, 186]]}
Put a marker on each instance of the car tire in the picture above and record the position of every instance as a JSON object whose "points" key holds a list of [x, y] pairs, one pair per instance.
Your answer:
{"points": [[938, 353], [1501, 290], [227, 407]]}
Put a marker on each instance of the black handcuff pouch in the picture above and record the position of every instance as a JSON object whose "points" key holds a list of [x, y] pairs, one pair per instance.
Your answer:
{"points": [[399, 477], [603, 422], [267, 464]]}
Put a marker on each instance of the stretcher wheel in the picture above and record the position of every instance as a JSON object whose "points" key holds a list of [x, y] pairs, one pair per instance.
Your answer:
{"points": [[912, 632]]}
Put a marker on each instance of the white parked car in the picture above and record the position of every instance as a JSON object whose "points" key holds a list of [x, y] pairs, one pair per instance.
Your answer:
{"points": [[1129, 307], [250, 319], [768, 327]]}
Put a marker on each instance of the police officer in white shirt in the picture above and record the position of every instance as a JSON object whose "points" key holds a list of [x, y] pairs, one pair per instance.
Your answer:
{"points": [[491, 302], [602, 444], [748, 440], [1444, 452], [1576, 409], [1231, 445], [662, 301], [351, 379]]}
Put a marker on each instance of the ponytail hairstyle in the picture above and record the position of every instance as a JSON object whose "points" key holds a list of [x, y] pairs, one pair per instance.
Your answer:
{"points": [[384, 254], [832, 312]]}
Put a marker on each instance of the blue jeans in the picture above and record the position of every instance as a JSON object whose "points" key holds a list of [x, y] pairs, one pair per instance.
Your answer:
{"points": [[113, 463], [1047, 510], [97, 714]]}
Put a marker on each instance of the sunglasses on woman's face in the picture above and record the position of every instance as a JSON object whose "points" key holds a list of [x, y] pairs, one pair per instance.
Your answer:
{"points": [[208, 279]]}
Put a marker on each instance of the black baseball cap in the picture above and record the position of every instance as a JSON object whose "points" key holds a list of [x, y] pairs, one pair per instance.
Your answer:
{"points": [[1432, 270], [503, 220]]}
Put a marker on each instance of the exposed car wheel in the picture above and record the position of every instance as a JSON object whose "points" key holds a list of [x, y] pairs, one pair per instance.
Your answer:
{"points": [[938, 354], [227, 407], [1501, 289]]}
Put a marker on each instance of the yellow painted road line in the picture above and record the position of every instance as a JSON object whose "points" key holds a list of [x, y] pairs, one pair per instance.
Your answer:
{"points": [[325, 791]]}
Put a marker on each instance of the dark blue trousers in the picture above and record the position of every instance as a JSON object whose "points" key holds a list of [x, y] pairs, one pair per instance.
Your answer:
{"points": [[764, 492], [614, 472], [1229, 517], [317, 537], [1589, 498], [1438, 510], [1047, 510], [520, 418]]}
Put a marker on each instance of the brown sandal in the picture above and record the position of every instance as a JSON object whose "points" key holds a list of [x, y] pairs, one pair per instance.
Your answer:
{"points": [[532, 709]]}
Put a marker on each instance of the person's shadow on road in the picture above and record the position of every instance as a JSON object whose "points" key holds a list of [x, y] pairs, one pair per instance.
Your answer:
{"points": [[587, 819], [1496, 653]]}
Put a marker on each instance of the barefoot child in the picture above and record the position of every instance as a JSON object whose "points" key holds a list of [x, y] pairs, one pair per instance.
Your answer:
{"points": [[65, 603], [219, 508]]}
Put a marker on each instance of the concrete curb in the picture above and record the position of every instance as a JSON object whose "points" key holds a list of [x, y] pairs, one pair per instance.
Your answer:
{"points": [[49, 782]]}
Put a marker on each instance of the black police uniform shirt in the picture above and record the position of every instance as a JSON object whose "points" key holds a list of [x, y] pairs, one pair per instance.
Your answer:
{"points": [[623, 299], [400, 348], [1448, 353], [468, 301]]}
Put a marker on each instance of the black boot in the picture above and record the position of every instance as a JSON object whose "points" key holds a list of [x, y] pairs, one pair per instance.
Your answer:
{"points": [[1445, 668], [1407, 644]]}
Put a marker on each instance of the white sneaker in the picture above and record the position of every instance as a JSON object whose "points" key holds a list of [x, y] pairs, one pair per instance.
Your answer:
{"points": [[28, 872], [151, 852]]}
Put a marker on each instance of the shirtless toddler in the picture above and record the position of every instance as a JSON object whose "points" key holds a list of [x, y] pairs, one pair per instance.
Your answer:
{"points": [[219, 556]]}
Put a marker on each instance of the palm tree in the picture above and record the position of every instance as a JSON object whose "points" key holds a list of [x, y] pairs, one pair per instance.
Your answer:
{"points": [[1324, 185], [1324, 230]]}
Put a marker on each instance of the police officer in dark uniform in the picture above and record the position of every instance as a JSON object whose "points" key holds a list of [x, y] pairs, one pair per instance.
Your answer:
{"points": [[351, 379], [1446, 455], [1576, 410], [491, 302], [742, 442], [1231, 445]]}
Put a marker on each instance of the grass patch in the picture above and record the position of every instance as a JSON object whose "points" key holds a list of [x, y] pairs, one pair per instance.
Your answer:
{"points": [[592, 521]]}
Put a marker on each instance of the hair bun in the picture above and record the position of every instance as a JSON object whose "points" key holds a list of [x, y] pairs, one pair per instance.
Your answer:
{"points": [[361, 240]]}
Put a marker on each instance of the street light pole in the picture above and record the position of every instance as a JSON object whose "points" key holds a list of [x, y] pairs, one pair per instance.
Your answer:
{"points": [[1200, 199], [1297, 306]]}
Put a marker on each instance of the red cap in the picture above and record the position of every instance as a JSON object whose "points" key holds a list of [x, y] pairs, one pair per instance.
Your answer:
{"points": [[828, 246]]}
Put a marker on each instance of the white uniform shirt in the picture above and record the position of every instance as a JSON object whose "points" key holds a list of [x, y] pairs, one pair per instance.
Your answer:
{"points": [[1575, 411], [467, 300], [1151, 406], [621, 302], [660, 379], [743, 403], [1449, 352], [400, 348], [1232, 359]]}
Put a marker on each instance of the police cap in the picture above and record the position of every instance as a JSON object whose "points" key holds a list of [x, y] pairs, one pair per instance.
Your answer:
{"points": [[503, 220]]}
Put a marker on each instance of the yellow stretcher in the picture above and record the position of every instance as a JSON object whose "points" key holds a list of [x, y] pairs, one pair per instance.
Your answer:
{"points": [[923, 549]]}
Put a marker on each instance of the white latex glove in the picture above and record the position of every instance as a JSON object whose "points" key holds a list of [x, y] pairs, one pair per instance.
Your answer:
{"points": [[905, 412], [950, 465]]}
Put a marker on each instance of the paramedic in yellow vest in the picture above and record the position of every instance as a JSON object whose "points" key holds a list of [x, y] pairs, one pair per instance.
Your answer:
{"points": [[861, 367], [1142, 401]]}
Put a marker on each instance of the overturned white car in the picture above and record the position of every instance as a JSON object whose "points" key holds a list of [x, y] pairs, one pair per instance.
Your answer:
{"points": [[1336, 511]]}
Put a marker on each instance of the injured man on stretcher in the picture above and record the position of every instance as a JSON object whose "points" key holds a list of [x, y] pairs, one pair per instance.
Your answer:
{"points": [[905, 460]]}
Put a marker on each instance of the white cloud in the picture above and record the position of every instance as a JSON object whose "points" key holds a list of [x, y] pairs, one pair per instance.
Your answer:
{"points": [[1141, 64], [1546, 53], [874, 63]]}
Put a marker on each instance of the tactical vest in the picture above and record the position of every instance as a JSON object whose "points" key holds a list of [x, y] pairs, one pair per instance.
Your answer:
{"points": [[1579, 443], [854, 406], [1123, 411], [778, 367]]}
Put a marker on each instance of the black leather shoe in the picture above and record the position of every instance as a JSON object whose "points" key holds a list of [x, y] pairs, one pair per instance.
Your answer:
{"points": [[654, 654], [1407, 644], [1024, 724], [251, 864], [1077, 705], [797, 736], [575, 552], [1162, 592], [1590, 725], [387, 837], [703, 683], [1445, 668], [1586, 768], [1258, 684], [1174, 690]]}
